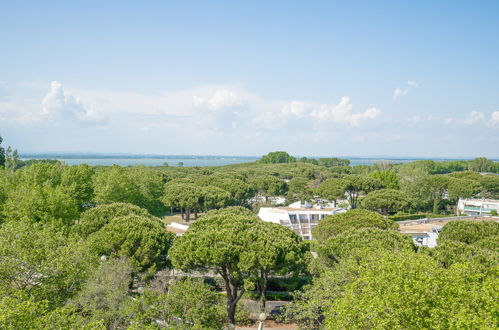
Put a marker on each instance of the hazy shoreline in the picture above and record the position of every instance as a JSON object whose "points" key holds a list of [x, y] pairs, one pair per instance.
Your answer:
{"points": [[190, 160]]}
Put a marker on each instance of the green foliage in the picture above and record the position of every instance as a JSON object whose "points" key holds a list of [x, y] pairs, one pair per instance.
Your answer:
{"points": [[2, 153], [490, 186], [104, 296], [369, 300], [215, 198], [481, 164], [396, 290], [469, 232], [240, 247], [77, 181], [95, 218], [333, 225], [386, 201], [277, 157], [182, 195], [449, 253], [19, 311], [298, 189], [142, 239], [332, 189], [139, 186], [41, 204], [388, 178], [269, 185], [41, 261], [462, 188], [42, 193], [356, 184], [355, 242]]}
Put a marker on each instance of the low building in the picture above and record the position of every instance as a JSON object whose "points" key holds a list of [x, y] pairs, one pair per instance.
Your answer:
{"points": [[425, 232], [299, 217], [477, 206]]}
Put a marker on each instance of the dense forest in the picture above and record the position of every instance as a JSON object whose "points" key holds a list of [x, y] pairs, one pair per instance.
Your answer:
{"points": [[85, 247]]}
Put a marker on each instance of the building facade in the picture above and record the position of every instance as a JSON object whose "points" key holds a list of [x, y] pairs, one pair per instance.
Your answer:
{"points": [[477, 206], [301, 218]]}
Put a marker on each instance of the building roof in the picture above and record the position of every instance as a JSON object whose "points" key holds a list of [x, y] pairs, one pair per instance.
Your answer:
{"points": [[425, 225]]}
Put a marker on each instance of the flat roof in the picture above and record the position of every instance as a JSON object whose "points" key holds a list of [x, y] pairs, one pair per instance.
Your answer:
{"points": [[416, 227], [287, 208]]}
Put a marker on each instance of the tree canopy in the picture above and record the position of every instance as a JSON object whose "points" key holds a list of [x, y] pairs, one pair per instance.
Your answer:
{"points": [[333, 225], [276, 157], [386, 201]]}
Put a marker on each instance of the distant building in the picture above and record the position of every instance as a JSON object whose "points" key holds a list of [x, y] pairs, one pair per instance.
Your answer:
{"points": [[477, 206], [301, 218], [274, 200], [425, 232]]}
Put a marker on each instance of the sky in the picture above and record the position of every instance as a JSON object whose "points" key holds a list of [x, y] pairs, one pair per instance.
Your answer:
{"points": [[314, 78]]}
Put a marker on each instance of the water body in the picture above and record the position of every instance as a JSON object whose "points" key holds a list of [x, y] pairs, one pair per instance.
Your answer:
{"points": [[153, 160]]}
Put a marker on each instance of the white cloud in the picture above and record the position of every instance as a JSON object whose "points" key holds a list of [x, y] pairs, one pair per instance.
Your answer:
{"points": [[338, 113], [297, 108], [473, 118], [403, 91], [414, 119], [59, 104], [494, 118], [398, 92], [221, 99], [395, 137]]}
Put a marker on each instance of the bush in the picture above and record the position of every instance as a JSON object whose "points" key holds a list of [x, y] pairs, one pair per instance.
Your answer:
{"points": [[287, 283]]}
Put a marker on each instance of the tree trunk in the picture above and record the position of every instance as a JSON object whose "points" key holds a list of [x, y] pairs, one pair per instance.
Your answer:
{"points": [[195, 214], [188, 215], [232, 297], [262, 287]]}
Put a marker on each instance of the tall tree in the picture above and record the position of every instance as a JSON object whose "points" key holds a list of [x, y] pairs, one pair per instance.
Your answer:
{"points": [[277, 157], [332, 189], [236, 245], [388, 178], [386, 201], [356, 184], [2, 153]]}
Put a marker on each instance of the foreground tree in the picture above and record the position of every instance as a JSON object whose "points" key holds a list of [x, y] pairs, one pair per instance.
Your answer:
{"points": [[233, 243], [276, 251], [42, 262], [143, 240], [105, 294], [469, 232]]}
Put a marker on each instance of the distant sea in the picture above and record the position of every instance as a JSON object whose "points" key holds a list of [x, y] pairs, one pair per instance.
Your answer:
{"points": [[186, 160]]}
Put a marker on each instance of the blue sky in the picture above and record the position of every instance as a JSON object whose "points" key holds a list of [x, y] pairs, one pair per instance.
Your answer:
{"points": [[358, 78]]}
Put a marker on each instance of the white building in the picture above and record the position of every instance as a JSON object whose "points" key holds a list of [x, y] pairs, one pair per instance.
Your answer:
{"points": [[301, 218], [477, 206]]}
